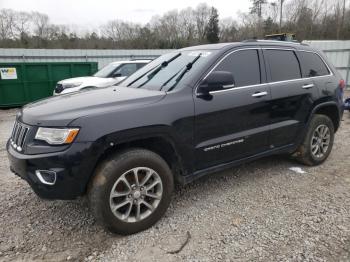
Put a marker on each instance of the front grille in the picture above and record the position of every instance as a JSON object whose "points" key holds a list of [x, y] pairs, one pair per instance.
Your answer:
{"points": [[18, 137], [59, 88]]}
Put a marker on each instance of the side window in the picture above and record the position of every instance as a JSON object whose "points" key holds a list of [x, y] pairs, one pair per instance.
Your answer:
{"points": [[125, 70], [140, 65], [244, 66], [312, 64], [284, 65]]}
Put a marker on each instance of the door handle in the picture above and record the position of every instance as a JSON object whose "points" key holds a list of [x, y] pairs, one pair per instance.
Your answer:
{"points": [[228, 86], [259, 94], [307, 86]]}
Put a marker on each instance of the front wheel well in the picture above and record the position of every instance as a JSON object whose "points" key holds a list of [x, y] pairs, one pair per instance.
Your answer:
{"points": [[159, 145], [332, 112]]}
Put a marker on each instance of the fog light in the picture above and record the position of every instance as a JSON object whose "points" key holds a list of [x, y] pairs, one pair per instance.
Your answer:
{"points": [[46, 177]]}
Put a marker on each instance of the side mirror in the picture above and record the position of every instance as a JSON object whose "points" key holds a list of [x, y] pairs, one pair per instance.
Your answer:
{"points": [[215, 81]]}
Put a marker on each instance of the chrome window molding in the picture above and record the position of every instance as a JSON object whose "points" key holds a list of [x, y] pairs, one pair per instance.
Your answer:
{"points": [[238, 88], [268, 83]]}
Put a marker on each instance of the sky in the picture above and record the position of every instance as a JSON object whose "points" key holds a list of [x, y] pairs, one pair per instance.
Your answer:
{"points": [[93, 13]]}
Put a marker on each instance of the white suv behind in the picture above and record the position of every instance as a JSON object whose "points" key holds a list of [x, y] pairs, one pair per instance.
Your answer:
{"points": [[109, 75]]}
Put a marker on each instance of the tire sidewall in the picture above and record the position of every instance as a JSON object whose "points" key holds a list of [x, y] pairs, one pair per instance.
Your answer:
{"points": [[115, 168], [316, 122]]}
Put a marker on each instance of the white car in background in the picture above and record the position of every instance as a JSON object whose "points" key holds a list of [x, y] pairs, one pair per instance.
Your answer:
{"points": [[109, 75]]}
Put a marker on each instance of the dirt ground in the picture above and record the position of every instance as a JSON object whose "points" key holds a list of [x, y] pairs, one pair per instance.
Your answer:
{"points": [[262, 211]]}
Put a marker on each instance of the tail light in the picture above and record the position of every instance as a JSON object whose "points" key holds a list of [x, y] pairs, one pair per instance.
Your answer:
{"points": [[342, 84]]}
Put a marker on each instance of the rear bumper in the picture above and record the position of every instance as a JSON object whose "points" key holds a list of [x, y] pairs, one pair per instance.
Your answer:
{"points": [[73, 168]]}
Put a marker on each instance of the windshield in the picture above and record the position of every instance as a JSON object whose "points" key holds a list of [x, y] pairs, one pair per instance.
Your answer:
{"points": [[106, 71], [166, 71]]}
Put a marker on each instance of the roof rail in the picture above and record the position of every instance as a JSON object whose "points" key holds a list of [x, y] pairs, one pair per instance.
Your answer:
{"points": [[250, 40], [272, 41]]}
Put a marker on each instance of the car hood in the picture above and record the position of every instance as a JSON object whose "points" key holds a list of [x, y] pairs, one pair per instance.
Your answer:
{"points": [[89, 81], [61, 110]]}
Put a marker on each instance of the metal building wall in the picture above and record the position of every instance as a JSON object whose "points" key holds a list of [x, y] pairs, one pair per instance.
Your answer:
{"points": [[103, 57], [338, 52]]}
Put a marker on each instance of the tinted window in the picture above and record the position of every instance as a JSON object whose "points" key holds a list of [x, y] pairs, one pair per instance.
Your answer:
{"points": [[140, 65], [125, 70], [244, 65], [107, 70], [284, 65], [312, 65], [169, 77]]}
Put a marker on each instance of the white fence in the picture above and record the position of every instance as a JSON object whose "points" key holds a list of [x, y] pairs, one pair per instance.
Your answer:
{"points": [[338, 53], [103, 57]]}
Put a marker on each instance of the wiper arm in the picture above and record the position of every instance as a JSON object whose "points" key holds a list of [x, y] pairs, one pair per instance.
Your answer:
{"points": [[181, 73], [155, 70]]}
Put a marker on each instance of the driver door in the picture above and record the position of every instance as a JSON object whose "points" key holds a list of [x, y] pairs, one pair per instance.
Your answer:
{"points": [[234, 123]]}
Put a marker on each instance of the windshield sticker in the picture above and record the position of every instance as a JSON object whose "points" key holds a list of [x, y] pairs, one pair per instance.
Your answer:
{"points": [[196, 53]]}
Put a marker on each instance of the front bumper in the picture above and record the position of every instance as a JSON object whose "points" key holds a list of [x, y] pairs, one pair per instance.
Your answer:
{"points": [[73, 168]]}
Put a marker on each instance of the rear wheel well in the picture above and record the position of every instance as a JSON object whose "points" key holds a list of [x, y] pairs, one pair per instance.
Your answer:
{"points": [[332, 112]]}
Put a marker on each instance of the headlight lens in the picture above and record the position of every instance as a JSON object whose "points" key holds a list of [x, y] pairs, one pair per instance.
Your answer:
{"points": [[72, 85], [57, 136]]}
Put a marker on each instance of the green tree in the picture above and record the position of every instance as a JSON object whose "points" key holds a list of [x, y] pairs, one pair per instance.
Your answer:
{"points": [[269, 26], [257, 7], [212, 32]]}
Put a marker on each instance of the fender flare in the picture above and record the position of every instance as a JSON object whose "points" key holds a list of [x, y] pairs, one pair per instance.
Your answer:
{"points": [[321, 105], [313, 112]]}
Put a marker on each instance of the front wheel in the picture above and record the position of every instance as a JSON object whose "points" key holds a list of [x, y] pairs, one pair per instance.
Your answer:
{"points": [[131, 191], [318, 143]]}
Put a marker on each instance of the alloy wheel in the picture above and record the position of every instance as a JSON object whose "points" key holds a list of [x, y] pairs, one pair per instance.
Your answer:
{"points": [[136, 194], [320, 141]]}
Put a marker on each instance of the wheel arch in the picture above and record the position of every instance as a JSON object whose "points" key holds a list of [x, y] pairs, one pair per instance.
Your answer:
{"points": [[329, 109], [161, 144]]}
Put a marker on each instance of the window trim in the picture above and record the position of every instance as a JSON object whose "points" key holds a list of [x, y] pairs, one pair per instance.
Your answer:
{"points": [[323, 61], [259, 61], [267, 62], [308, 51], [267, 83], [217, 64]]}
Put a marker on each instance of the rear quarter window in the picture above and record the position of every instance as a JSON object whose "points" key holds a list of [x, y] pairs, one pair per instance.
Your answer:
{"points": [[284, 64], [312, 65]]}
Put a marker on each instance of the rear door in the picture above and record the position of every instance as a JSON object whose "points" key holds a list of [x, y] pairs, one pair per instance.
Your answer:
{"points": [[235, 123], [292, 96], [313, 66]]}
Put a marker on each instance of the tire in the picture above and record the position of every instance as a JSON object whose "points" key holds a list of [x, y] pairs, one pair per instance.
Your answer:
{"points": [[304, 153], [110, 176]]}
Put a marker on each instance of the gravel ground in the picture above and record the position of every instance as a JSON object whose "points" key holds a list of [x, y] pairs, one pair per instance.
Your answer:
{"points": [[261, 211]]}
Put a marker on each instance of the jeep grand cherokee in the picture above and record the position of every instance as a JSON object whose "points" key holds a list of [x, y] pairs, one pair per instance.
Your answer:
{"points": [[184, 115]]}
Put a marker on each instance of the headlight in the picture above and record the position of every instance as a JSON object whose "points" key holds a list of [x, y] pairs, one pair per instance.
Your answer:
{"points": [[57, 136], [72, 85]]}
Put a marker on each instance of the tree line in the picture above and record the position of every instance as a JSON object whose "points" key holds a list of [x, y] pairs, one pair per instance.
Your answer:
{"points": [[309, 19]]}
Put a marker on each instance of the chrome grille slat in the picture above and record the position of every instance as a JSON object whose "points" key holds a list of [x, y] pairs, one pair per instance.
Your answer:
{"points": [[20, 137], [13, 130], [24, 135], [19, 134]]}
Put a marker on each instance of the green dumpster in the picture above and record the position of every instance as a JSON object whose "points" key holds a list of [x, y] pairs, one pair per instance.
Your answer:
{"points": [[21, 83]]}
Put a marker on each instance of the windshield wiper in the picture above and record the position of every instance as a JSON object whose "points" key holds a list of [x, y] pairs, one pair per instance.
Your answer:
{"points": [[181, 73], [155, 70]]}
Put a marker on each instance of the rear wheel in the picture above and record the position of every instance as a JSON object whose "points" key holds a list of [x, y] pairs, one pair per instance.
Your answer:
{"points": [[318, 142], [131, 191]]}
